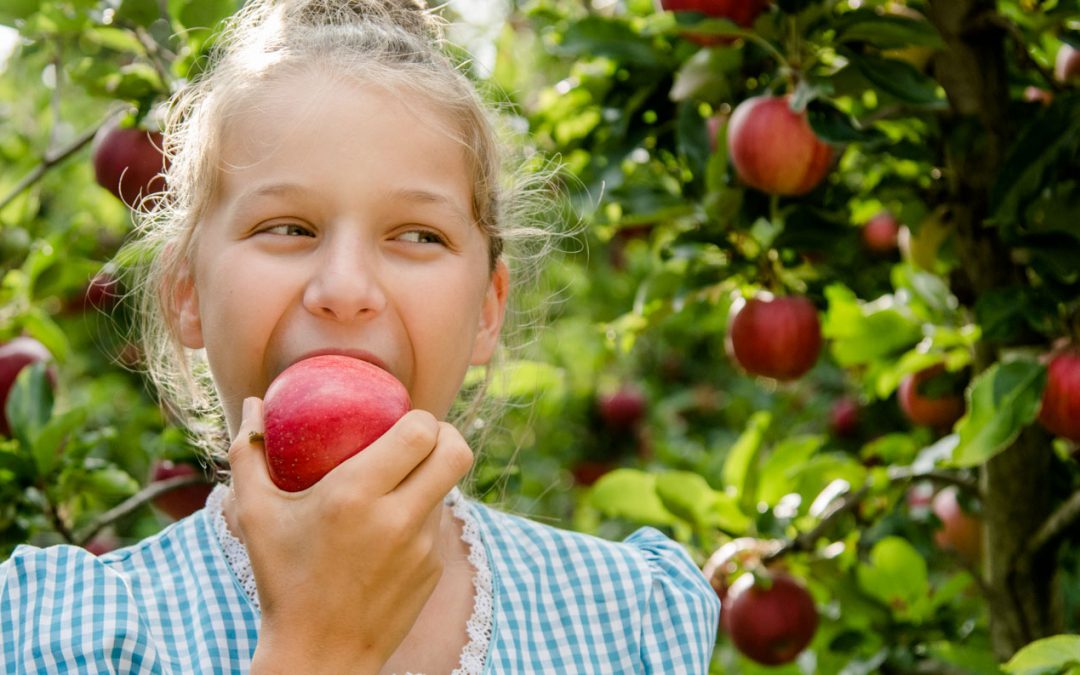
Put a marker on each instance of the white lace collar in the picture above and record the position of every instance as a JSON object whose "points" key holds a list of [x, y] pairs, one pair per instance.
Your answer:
{"points": [[479, 626]]}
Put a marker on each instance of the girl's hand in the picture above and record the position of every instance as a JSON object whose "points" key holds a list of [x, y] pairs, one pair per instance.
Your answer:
{"points": [[344, 567]]}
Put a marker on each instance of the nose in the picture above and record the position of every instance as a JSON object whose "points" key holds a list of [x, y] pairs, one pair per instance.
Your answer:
{"points": [[345, 283]]}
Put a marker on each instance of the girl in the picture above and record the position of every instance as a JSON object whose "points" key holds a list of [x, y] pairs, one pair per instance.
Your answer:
{"points": [[334, 188]]}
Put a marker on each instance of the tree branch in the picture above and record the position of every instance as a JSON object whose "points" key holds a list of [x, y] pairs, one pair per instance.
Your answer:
{"points": [[134, 503], [51, 159], [1055, 526]]}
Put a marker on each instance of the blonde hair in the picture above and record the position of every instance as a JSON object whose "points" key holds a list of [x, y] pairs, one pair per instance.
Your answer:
{"points": [[394, 43]]}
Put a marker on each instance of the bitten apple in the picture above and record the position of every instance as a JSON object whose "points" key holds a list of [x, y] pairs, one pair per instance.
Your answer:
{"points": [[936, 411], [773, 148], [128, 162], [1060, 410], [777, 337], [320, 411], [15, 355], [770, 620]]}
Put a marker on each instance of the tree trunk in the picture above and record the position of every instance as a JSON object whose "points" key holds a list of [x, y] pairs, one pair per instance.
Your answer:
{"points": [[1014, 485]]}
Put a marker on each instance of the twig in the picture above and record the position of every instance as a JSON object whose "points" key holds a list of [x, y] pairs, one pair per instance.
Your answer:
{"points": [[134, 503], [1056, 525], [51, 159]]}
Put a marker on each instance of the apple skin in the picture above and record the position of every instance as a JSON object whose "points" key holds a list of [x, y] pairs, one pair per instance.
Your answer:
{"points": [[961, 532], [742, 12], [770, 625], [184, 501], [1060, 410], [774, 149], [128, 161], [322, 410], [624, 408], [777, 337], [844, 417], [938, 413], [1067, 64], [881, 233], [15, 355]]}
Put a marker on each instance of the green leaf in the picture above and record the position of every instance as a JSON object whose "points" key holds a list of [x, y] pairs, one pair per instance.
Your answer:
{"points": [[596, 36], [1043, 148], [632, 495], [687, 495], [201, 14], [139, 12], [50, 442], [779, 471], [30, 404], [896, 574], [859, 332], [1047, 656], [728, 516], [833, 126], [1002, 400], [13, 11], [736, 471], [896, 78], [521, 379], [885, 31], [704, 75]]}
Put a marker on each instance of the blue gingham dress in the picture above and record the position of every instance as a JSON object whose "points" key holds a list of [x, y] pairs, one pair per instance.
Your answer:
{"points": [[547, 601]]}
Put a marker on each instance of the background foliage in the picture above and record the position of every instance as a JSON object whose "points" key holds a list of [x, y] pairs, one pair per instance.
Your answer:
{"points": [[926, 107]]}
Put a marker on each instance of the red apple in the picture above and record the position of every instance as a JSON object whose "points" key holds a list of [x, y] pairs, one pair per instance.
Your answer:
{"points": [[844, 417], [742, 12], [102, 543], [15, 355], [101, 293], [624, 408], [320, 411], [770, 622], [880, 234], [777, 337], [182, 501], [939, 412], [961, 532], [1067, 63], [1060, 410], [1033, 94], [128, 162], [773, 148], [587, 471]]}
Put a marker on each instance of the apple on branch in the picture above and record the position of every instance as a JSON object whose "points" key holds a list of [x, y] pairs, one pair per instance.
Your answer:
{"points": [[924, 406], [773, 148], [741, 12], [771, 616], [1060, 408], [881, 233], [15, 355], [320, 411], [182, 501], [961, 531], [128, 162], [775, 336]]}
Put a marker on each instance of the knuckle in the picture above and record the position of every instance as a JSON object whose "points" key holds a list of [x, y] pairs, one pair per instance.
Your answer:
{"points": [[418, 429]]}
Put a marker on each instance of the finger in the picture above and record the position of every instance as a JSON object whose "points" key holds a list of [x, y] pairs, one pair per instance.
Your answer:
{"points": [[247, 461], [382, 466], [440, 471]]}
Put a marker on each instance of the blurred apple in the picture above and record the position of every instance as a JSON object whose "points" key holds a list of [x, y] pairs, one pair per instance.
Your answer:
{"points": [[773, 148], [742, 12], [183, 501], [777, 337], [128, 162], [961, 531], [880, 233], [937, 410], [15, 355], [770, 619], [1060, 408], [624, 408], [844, 417], [1067, 63]]}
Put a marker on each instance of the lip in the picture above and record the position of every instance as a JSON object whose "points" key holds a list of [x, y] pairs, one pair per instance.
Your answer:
{"points": [[358, 354]]}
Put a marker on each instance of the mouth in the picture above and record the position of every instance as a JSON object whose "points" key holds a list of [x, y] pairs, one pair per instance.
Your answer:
{"points": [[358, 354]]}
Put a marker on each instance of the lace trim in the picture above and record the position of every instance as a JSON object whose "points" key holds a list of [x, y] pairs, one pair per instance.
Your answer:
{"points": [[480, 625]]}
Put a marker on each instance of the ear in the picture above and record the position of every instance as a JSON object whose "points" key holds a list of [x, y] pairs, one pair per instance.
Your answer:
{"points": [[491, 315], [185, 306]]}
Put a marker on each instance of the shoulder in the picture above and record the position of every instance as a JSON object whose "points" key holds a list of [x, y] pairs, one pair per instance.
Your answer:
{"points": [[642, 599], [142, 606]]}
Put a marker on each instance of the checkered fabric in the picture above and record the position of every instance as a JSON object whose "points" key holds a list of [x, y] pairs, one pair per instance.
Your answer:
{"points": [[563, 603]]}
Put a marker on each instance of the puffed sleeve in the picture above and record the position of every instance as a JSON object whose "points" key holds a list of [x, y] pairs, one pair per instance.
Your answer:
{"points": [[683, 610], [63, 611]]}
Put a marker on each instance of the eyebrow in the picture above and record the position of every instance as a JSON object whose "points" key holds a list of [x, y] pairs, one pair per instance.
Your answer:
{"points": [[414, 195]]}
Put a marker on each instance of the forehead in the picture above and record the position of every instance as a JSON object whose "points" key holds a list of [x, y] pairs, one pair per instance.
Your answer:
{"points": [[319, 125]]}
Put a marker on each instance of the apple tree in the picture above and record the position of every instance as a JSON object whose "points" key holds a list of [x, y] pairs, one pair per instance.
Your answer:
{"points": [[908, 170]]}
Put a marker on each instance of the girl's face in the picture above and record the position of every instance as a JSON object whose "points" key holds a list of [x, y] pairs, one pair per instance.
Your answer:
{"points": [[342, 224]]}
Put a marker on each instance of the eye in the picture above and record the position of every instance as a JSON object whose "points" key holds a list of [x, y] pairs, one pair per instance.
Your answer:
{"points": [[422, 237], [289, 230]]}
